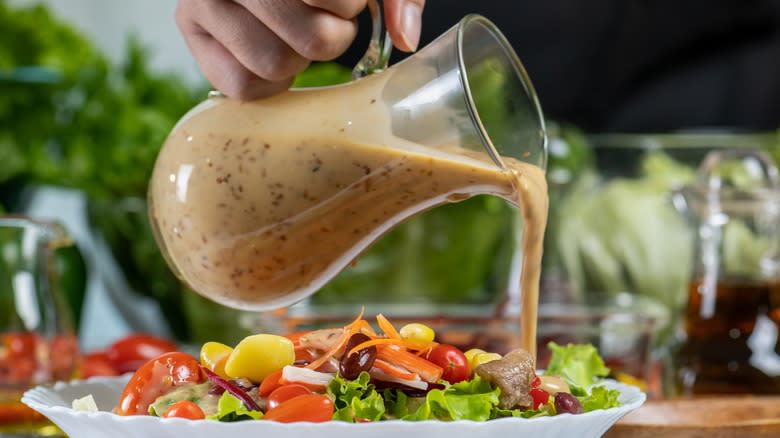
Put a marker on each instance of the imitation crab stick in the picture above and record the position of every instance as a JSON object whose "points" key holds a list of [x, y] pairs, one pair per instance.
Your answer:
{"points": [[426, 369], [394, 371]]}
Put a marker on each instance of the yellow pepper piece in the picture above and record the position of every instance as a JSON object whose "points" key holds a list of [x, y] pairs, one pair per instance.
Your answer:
{"points": [[213, 356], [417, 332], [481, 358], [257, 356], [470, 355]]}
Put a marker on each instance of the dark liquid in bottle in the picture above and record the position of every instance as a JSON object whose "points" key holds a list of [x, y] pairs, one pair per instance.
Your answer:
{"points": [[716, 356]]}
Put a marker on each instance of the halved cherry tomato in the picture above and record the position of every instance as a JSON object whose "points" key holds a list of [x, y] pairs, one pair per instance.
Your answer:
{"points": [[97, 364], [130, 352], [284, 393], [314, 408], [156, 378], [540, 397], [453, 362], [270, 383], [185, 409]]}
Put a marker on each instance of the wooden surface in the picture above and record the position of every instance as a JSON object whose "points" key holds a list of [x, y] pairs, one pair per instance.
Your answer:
{"points": [[721, 417]]}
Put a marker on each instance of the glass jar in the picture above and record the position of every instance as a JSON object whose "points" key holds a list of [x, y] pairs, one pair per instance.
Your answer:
{"points": [[37, 341]]}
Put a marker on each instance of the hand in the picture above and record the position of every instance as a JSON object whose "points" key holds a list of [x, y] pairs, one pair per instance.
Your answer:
{"points": [[254, 48]]}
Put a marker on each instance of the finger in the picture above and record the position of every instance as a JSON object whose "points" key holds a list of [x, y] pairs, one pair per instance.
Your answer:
{"points": [[346, 9], [404, 23], [250, 41], [228, 75], [313, 33]]}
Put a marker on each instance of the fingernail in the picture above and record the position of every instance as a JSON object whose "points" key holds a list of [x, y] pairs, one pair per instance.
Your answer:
{"points": [[411, 22]]}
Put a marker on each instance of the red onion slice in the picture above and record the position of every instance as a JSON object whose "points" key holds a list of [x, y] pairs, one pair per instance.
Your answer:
{"points": [[232, 389]]}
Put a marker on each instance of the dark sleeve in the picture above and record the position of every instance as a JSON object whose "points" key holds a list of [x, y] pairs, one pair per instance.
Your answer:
{"points": [[638, 65]]}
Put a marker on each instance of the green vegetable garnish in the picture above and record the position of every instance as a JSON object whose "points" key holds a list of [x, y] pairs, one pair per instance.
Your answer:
{"points": [[600, 398], [230, 408], [472, 400], [579, 365], [355, 399]]}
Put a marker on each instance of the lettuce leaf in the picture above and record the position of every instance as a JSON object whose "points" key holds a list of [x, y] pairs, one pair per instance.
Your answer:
{"points": [[355, 399], [230, 408], [600, 398], [579, 365], [473, 399]]}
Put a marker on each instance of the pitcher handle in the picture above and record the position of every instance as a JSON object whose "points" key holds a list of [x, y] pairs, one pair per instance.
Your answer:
{"points": [[378, 53]]}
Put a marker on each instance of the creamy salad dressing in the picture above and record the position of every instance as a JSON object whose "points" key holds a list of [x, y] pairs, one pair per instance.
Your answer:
{"points": [[255, 209]]}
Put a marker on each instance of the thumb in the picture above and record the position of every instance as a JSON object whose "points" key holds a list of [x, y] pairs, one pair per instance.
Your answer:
{"points": [[404, 22]]}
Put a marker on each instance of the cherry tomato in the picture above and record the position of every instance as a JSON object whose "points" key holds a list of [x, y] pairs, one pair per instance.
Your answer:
{"points": [[540, 397], [155, 378], [295, 337], [452, 361], [20, 344], [64, 355], [97, 364], [284, 393], [314, 408], [185, 409], [270, 383], [130, 352]]}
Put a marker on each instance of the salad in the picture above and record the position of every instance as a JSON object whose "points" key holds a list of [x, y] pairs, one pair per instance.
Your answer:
{"points": [[358, 374]]}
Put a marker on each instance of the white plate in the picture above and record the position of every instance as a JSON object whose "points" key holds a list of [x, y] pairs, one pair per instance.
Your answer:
{"points": [[55, 403]]}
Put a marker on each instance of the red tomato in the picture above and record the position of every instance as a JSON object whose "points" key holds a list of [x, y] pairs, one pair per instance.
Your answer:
{"points": [[185, 409], [20, 344], [130, 352], [452, 361], [155, 378], [19, 370], [284, 393], [295, 337], [64, 356], [536, 382], [540, 397], [314, 408], [270, 383], [97, 364]]}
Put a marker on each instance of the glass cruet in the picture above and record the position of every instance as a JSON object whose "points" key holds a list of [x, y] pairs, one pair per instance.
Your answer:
{"points": [[729, 340]]}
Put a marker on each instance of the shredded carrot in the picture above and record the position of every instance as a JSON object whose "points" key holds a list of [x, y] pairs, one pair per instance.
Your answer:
{"points": [[428, 371], [423, 352], [373, 342], [357, 320], [409, 345], [364, 327], [349, 330], [387, 327], [394, 371]]}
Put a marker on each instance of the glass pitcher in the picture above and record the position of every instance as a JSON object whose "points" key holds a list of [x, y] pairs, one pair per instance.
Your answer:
{"points": [[733, 307], [37, 341], [256, 204]]}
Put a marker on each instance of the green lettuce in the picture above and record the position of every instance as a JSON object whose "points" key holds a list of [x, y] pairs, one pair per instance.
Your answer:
{"points": [[230, 408], [473, 399], [577, 364], [600, 398], [355, 399]]}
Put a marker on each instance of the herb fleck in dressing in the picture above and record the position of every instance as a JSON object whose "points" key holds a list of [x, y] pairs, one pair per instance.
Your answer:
{"points": [[256, 210]]}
